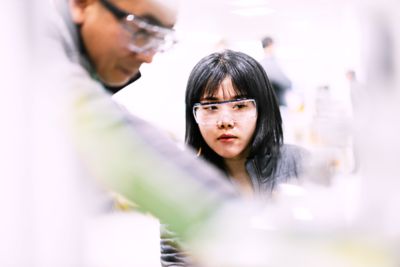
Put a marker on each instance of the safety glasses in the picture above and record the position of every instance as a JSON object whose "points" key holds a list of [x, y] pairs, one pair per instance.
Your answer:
{"points": [[209, 113], [144, 37]]}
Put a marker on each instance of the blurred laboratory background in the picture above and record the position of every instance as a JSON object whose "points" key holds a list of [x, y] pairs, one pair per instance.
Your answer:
{"points": [[343, 60]]}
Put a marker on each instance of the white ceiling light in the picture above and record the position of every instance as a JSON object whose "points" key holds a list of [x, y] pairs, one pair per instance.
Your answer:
{"points": [[248, 3], [253, 11]]}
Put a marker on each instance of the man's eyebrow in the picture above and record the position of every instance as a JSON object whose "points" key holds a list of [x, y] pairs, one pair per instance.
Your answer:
{"points": [[153, 20]]}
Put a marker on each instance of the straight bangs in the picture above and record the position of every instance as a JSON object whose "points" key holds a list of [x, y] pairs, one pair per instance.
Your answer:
{"points": [[212, 84], [215, 79], [244, 75]]}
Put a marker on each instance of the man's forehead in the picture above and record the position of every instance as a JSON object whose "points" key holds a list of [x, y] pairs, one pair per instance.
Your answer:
{"points": [[164, 11]]}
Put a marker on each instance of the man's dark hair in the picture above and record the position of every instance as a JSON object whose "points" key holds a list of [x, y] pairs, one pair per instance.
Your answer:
{"points": [[266, 41]]}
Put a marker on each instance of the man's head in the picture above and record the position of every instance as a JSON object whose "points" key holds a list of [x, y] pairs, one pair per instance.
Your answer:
{"points": [[268, 45], [267, 41], [120, 35]]}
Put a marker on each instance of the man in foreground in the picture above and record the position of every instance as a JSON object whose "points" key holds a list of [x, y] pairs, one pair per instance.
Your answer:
{"points": [[80, 133]]}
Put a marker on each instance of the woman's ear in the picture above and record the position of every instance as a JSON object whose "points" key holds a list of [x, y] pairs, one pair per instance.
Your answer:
{"points": [[77, 8]]}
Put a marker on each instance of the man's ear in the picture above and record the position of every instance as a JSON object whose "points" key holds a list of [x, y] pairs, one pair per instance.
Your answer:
{"points": [[77, 8]]}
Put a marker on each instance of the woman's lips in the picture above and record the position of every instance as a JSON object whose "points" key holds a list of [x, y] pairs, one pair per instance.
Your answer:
{"points": [[226, 138]]}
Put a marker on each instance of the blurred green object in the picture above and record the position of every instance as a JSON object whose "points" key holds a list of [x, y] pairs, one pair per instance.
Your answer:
{"points": [[136, 160]]}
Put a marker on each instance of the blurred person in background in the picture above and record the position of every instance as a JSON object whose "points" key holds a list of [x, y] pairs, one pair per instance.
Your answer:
{"points": [[233, 121], [358, 94], [279, 80], [358, 97]]}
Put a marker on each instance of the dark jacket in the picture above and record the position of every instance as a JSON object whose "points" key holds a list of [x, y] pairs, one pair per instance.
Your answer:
{"points": [[279, 80], [264, 180]]}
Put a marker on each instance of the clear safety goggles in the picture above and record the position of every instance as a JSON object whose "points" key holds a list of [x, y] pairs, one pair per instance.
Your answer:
{"points": [[210, 113], [143, 36]]}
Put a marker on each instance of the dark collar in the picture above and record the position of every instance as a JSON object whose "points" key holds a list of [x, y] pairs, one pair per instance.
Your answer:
{"points": [[114, 89]]}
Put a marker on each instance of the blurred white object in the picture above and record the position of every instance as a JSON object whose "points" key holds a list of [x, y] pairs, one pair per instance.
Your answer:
{"points": [[305, 226], [122, 239], [14, 224]]}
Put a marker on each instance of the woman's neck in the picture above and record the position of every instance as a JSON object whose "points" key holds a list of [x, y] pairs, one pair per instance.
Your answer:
{"points": [[237, 170]]}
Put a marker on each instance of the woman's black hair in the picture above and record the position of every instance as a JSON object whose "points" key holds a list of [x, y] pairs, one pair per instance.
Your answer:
{"points": [[249, 80]]}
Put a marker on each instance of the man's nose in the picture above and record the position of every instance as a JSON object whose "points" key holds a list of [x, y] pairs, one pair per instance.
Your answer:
{"points": [[146, 56]]}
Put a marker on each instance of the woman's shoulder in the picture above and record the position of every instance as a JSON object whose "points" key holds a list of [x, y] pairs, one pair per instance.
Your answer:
{"points": [[293, 150], [293, 157]]}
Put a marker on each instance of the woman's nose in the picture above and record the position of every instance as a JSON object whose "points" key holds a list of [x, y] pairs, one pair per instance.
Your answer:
{"points": [[225, 122]]}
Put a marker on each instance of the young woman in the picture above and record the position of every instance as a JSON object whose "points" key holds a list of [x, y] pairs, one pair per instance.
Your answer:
{"points": [[234, 122]]}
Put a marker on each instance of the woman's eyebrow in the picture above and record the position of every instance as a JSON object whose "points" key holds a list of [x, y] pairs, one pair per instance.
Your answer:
{"points": [[213, 98], [209, 98], [240, 97]]}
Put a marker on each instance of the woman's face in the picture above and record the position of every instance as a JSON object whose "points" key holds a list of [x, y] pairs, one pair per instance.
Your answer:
{"points": [[233, 126]]}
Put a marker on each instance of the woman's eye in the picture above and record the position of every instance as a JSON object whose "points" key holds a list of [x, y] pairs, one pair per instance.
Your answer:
{"points": [[211, 107], [240, 106]]}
